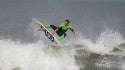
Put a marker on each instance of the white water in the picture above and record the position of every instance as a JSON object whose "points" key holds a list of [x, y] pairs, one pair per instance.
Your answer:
{"points": [[106, 41], [14, 55]]}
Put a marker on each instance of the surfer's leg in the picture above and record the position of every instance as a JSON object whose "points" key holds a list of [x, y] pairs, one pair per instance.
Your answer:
{"points": [[62, 36], [51, 26], [48, 26]]}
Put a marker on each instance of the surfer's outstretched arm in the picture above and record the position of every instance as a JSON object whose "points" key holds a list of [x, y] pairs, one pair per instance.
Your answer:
{"points": [[74, 33]]}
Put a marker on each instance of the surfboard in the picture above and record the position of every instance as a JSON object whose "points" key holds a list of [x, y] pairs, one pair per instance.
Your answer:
{"points": [[47, 33]]}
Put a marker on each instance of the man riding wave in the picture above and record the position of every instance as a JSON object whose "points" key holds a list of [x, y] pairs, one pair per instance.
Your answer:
{"points": [[61, 29]]}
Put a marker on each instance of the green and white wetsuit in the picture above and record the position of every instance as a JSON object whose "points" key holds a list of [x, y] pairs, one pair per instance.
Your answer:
{"points": [[61, 30]]}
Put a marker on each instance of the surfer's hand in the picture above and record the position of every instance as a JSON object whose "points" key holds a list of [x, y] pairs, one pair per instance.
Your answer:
{"points": [[74, 33]]}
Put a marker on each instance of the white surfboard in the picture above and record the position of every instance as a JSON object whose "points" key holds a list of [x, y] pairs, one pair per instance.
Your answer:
{"points": [[48, 34]]}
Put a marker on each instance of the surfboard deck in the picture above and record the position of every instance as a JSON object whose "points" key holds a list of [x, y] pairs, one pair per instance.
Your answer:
{"points": [[48, 34]]}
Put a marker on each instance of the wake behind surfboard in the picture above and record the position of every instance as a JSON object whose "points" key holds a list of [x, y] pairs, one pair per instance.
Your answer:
{"points": [[48, 34]]}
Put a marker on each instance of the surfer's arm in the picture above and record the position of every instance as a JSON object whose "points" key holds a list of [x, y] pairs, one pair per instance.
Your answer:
{"points": [[74, 33], [54, 32]]}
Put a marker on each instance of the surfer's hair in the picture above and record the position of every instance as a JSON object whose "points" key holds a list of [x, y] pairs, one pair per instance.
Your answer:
{"points": [[67, 20]]}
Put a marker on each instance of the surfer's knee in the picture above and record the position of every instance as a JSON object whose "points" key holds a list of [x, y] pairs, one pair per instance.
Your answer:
{"points": [[53, 26], [62, 37], [50, 26]]}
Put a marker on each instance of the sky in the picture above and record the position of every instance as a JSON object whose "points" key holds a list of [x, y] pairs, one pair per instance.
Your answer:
{"points": [[91, 0], [64, 0]]}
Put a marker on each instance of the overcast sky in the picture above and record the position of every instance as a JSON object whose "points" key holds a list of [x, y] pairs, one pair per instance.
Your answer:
{"points": [[63, 0], [91, 0]]}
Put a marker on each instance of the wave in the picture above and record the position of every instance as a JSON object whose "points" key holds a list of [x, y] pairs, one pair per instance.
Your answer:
{"points": [[78, 53]]}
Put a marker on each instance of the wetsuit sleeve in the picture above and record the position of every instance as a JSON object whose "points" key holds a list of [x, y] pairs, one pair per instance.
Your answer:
{"points": [[71, 29]]}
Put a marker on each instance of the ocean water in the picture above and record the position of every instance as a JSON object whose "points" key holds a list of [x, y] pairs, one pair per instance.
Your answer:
{"points": [[99, 44]]}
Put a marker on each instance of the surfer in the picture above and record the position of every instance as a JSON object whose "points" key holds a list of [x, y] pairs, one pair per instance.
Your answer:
{"points": [[61, 29]]}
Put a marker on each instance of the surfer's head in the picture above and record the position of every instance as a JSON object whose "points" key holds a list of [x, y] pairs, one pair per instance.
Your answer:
{"points": [[66, 22]]}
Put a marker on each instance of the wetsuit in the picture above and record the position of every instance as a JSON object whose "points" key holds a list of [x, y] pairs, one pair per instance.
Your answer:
{"points": [[61, 30]]}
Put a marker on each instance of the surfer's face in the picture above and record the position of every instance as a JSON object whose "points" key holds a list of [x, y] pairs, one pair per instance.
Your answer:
{"points": [[66, 23]]}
